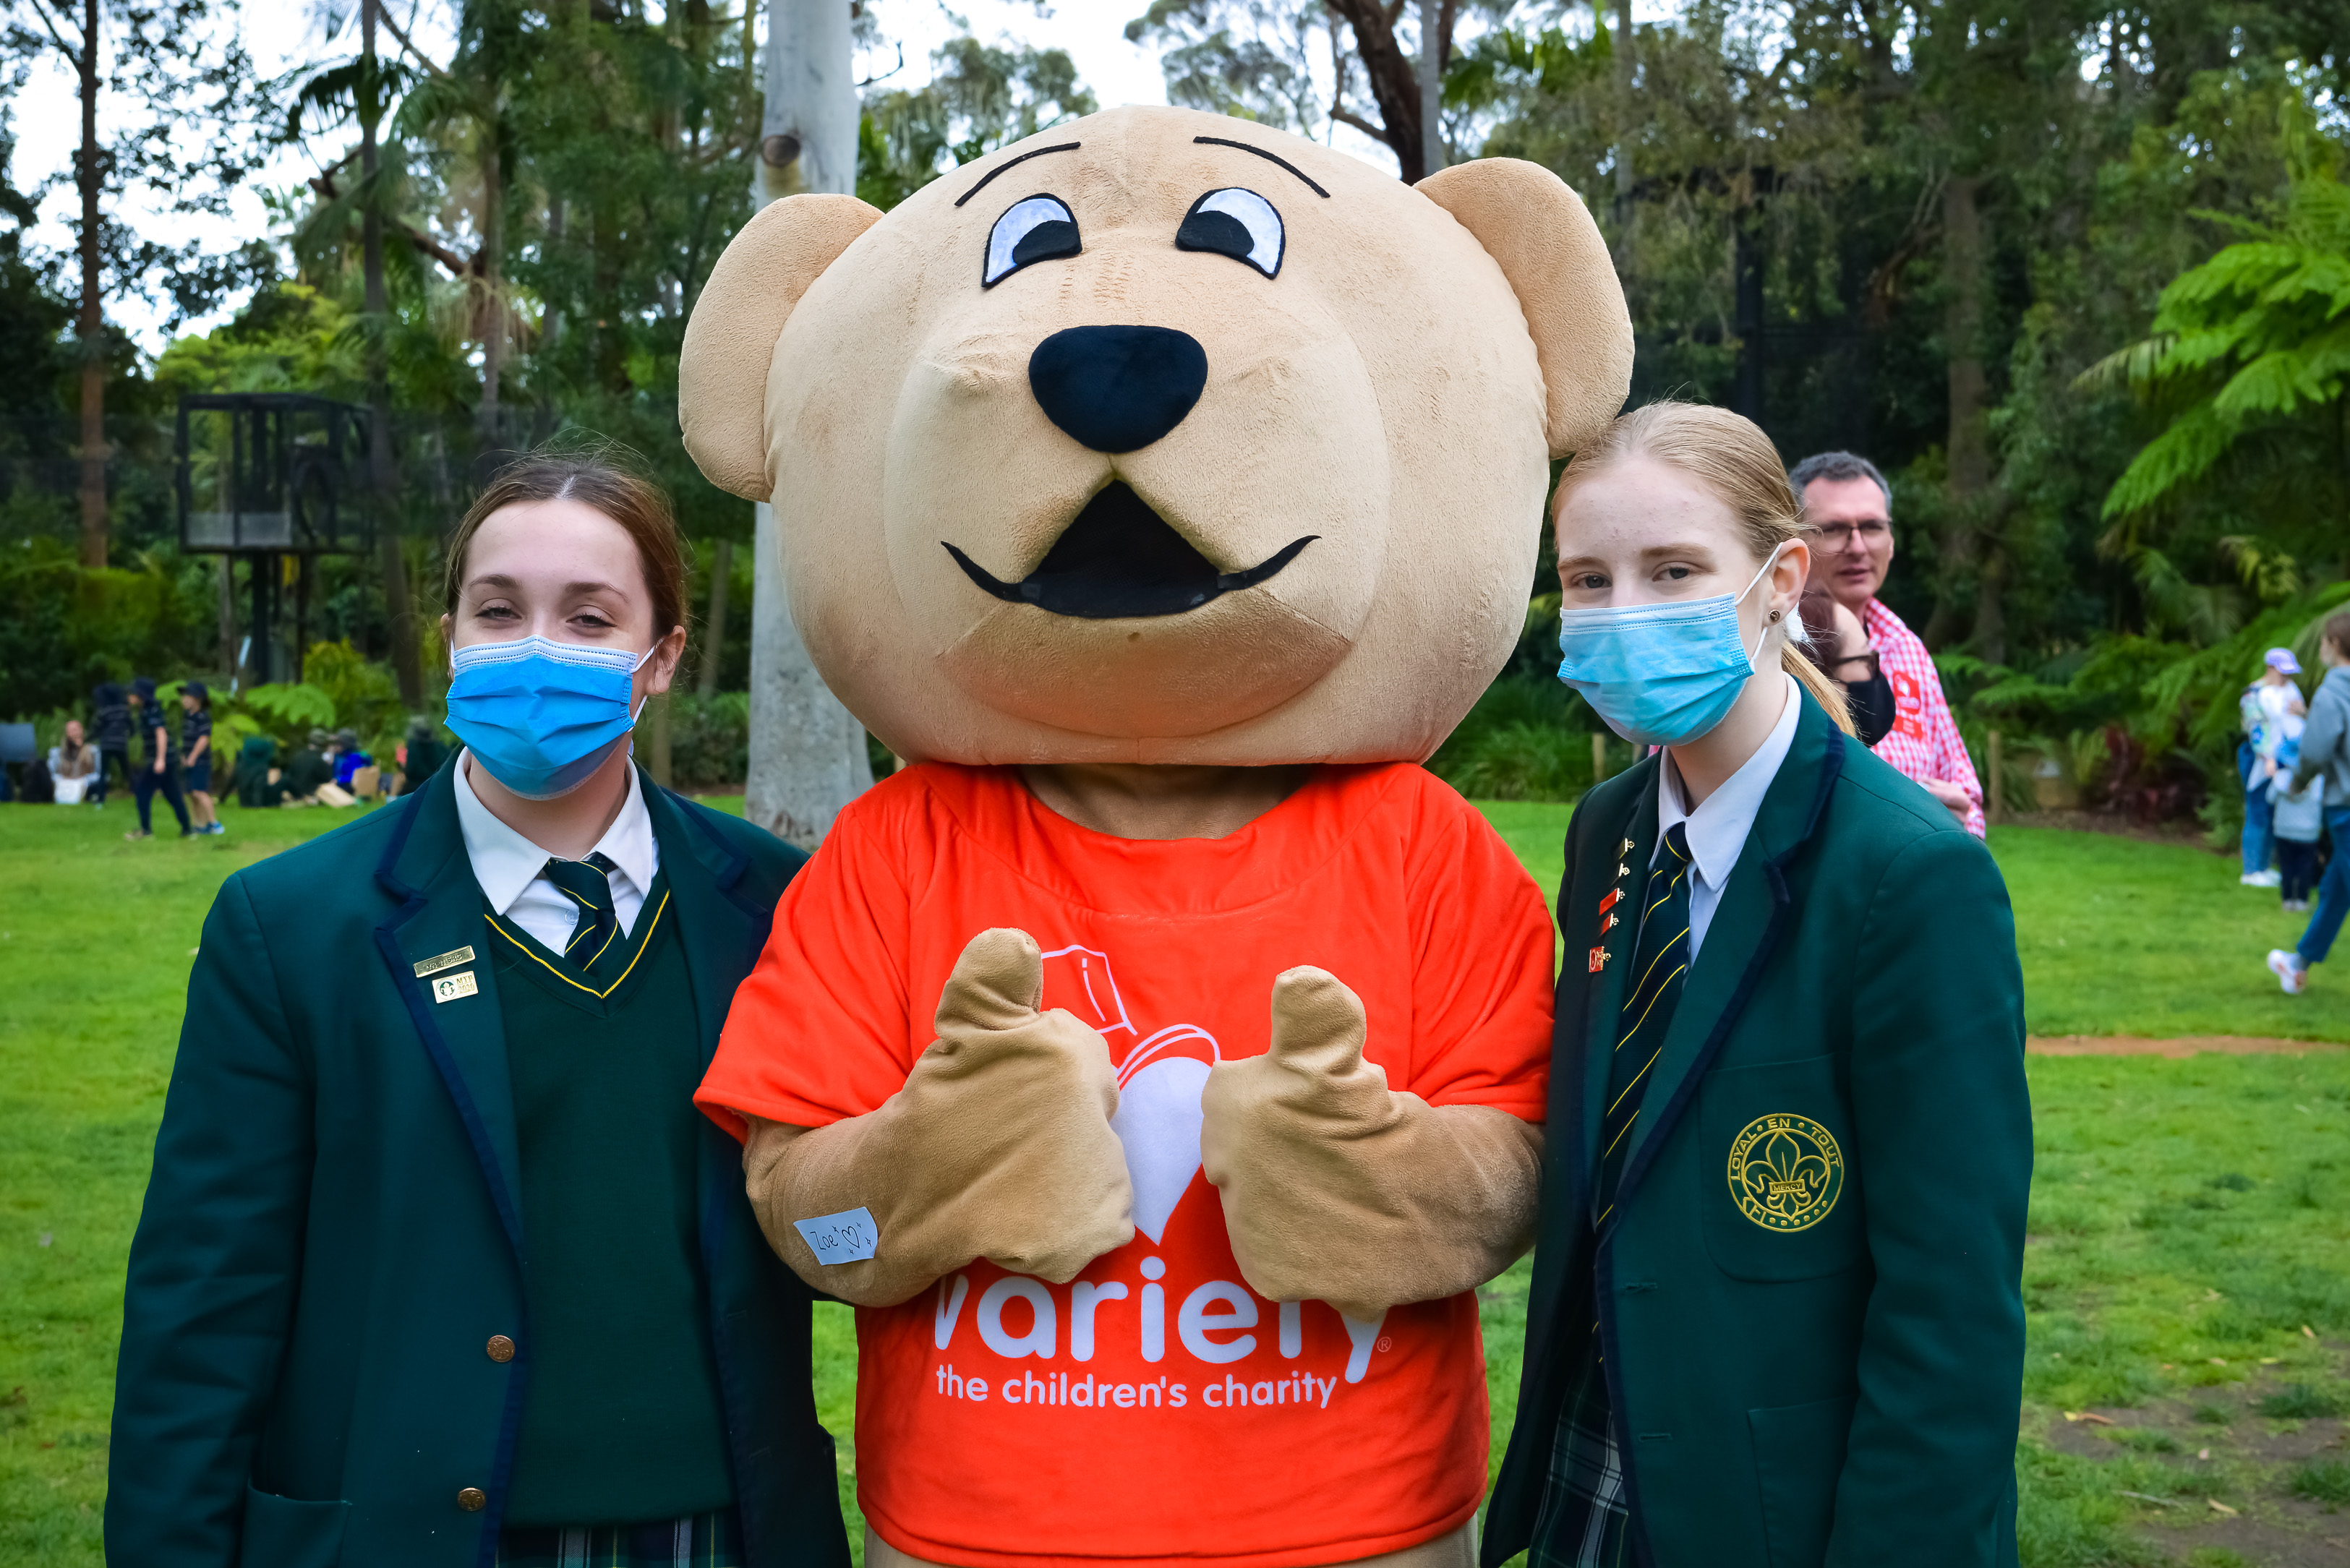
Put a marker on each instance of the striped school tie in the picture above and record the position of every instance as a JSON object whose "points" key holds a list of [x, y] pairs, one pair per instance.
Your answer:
{"points": [[589, 884], [1659, 961]]}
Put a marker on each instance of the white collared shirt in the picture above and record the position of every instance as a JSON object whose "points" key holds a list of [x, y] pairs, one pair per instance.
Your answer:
{"points": [[508, 865], [1717, 829]]}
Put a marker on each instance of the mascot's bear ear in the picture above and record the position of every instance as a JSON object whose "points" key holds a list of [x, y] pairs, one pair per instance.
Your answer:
{"points": [[1536, 229], [729, 339]]}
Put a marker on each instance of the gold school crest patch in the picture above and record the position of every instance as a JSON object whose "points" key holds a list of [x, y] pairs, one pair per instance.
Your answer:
{"points": [[1785, 1172]]}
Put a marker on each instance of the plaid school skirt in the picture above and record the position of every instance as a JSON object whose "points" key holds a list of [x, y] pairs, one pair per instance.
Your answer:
{"points": [[704, 1540]]}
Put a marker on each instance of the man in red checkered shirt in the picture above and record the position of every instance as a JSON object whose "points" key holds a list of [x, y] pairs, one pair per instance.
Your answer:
{"points": [[1846, 500]]}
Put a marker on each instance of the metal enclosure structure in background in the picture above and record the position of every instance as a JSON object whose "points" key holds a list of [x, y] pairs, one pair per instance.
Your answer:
{"points": [[264, 477]]}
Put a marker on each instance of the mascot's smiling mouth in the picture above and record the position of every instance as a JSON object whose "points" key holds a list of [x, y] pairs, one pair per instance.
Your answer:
{"points": [[1120, 559]]}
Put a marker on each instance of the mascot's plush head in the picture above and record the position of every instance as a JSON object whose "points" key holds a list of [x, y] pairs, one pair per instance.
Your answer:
{"points": [[1160, 437]]}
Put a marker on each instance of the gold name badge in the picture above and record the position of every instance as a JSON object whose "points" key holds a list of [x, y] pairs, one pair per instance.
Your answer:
{"points": [[451, 959], [1785, 1172], [450, 987]]}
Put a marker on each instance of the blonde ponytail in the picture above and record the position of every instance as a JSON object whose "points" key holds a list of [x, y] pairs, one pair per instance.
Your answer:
{"points": [[1729, 455]]}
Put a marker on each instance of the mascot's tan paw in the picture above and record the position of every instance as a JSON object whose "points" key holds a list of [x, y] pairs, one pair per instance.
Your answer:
{"points": [[1012, 1107], [996, 985], [1336, 1188], [999, 1147]]}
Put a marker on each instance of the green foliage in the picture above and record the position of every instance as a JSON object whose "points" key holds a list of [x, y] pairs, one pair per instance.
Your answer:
{"points": [[1527, 738], [63, 627], [290, 337], [980, 98], [291, 711], [709, 739], [1247, 58], [2256, 339], [2129, 709], [2302, 1402], [360, 692], [2325, 1481]]}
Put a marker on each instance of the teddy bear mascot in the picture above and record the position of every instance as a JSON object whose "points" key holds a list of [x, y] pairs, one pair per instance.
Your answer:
{"points": [[1156, 1063]]}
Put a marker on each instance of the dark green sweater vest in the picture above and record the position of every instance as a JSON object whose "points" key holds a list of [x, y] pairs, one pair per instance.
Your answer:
{"points": [[621, 1421]]}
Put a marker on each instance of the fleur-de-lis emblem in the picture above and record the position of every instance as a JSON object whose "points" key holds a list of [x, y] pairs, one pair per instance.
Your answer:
{"points": [[1785, 1172]]}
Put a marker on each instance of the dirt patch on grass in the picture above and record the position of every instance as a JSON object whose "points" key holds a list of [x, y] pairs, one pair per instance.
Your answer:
{"points": [[2229, 1487], [2185, 1045]]}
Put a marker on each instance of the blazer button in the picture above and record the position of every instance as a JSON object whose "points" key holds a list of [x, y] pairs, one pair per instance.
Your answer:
{"points": [[500, 1348], [472, 1500]]}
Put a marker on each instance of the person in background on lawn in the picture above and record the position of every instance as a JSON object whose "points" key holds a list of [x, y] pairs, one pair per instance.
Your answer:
{"points": [[421, 756], [196, 749], [348, 757], [1777, 1313], [73, 763], [308, 768], [2272, 711], [438, 1266], [1849, 506], [2325, 753], [110, 717], [155, 770], [2297, 817]]}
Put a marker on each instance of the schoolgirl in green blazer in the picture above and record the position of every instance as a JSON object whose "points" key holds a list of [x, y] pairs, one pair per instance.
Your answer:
{"points": [[439, 1264], [1777, 1318]]}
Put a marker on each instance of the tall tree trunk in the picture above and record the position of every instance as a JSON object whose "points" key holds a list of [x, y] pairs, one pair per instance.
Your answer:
{"points": [[1431, 87], [550, 338], [90, 326], [493, 304], [1394, 80], [1967, 449], [1624, 63], [807, 753], [713, 636], [228, 659], [399, 607]]}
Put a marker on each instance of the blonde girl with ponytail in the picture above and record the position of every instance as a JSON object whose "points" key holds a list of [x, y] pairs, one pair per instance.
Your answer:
{"points": [[1675, 510], [1791, 998]]}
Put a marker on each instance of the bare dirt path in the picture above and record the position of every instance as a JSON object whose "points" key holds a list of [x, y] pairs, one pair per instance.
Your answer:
{"points": [[2187, 1045]]}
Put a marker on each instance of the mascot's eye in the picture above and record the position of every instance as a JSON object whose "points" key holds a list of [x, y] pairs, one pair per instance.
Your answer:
{"points": [[1037, 229], [1234, 223]]}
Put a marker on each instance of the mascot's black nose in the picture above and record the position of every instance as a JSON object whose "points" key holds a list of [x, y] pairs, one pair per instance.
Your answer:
{"points": [[1115, 388]]}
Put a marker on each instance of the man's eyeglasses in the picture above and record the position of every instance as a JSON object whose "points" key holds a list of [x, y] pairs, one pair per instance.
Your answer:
{"points": [[1837, 538]]}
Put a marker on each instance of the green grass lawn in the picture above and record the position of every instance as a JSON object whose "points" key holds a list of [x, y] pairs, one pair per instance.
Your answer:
{"points": [[2183, 1211]]}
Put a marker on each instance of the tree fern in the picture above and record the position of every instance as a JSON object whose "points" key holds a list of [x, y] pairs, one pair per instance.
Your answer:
{"points": [[2256, 336]]}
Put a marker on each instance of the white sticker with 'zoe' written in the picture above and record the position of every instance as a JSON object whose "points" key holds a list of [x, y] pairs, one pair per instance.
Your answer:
{"points": [[844, 1238]]}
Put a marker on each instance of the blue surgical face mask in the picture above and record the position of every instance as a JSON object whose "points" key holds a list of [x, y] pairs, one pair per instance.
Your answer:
{"points": [[542, 715], [1660, 674]]}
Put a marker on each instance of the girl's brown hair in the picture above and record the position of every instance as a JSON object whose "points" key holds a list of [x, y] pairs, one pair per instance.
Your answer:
{"points": [[598, 480], [1729, 455]]}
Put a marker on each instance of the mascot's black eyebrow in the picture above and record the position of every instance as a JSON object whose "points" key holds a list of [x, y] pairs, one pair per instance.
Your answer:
{"points": [[1244, 147], [1013, 163]]}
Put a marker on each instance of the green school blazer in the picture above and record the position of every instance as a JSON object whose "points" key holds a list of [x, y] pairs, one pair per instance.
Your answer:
{"points": [[315, 1366], [1809, 1290]]}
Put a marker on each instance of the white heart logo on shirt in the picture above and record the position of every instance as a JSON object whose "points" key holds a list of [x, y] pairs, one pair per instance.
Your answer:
{"points": [[1158, 1119], [1159, 1084]]}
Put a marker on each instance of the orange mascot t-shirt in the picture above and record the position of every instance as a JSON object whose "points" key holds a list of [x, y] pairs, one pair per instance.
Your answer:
{"points": [[1155, 1411]]}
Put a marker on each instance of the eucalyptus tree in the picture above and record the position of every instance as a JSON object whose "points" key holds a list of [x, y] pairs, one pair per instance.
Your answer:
{"points": [[176, 79]]}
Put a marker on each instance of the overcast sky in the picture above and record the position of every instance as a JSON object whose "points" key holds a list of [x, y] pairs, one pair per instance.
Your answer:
{"points": [[282, 33]]}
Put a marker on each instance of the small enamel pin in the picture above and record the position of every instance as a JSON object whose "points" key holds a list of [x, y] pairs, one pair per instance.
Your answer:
{"points": [[1625, 848], [1614, 896], [1609, 923], [452, 987], [1622, 870], [1597, 960], [440, 961]]}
